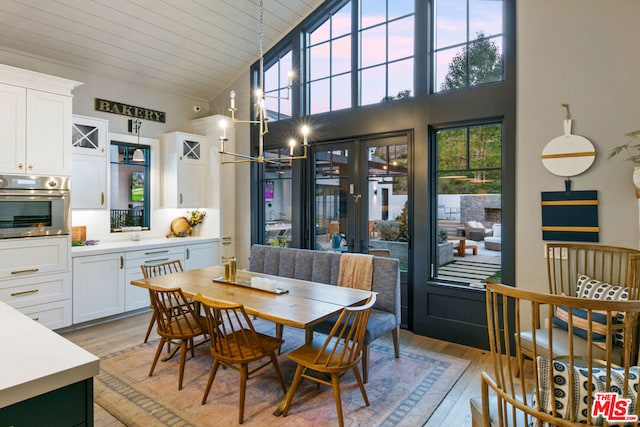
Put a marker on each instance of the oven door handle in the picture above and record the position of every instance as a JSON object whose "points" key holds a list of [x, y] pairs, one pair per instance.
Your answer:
{"points": [[31, 193]]}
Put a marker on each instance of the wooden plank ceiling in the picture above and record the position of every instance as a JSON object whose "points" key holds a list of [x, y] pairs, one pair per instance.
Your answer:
{"points": [[194, 48]]}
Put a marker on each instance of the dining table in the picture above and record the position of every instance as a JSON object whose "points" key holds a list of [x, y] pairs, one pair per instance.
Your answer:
{"points": [[296, 303], [292, 302]]}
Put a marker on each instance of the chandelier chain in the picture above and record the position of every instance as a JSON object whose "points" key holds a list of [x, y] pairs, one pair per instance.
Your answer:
{"points": [[261, 26]]}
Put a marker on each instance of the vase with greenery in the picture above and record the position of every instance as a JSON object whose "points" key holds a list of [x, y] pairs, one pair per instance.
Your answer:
{"points": [[632, 150]]}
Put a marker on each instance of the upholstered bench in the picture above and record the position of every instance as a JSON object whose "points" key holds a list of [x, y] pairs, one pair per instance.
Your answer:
{"points": [[323, 267]]}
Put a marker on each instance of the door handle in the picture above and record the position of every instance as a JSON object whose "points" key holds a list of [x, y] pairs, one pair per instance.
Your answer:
{"points": [[121, 262], [180, 198], [102, 199], [188, 254]]}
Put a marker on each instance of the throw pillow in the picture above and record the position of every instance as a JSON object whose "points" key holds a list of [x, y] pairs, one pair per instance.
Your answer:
{"points": [[595, 289], [580, 323], [555, 391]]}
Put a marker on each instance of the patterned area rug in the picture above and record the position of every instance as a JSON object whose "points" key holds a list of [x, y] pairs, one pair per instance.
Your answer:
{"points": [[402, 392]]}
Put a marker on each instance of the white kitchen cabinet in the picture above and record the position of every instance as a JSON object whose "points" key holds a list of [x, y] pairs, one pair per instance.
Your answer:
{"points": [[134, 296], [33, 256], [184, 160], [200, 255], [46, 298], [35, 278], [89, 160], [13, 131], [98, 286], [36, 122]]}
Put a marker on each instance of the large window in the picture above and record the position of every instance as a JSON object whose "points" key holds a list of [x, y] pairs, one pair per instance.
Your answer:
{"points": [[329, 63], [277, 200], [386, 50], [469, 198], [468, 43], [277, 78]]}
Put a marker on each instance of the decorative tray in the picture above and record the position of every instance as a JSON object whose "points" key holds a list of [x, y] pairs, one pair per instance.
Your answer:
{"points": [[247, 284]]}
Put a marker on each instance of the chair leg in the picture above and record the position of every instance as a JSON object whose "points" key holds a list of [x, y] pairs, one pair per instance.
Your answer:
{"points": [[395, 333], [276, 366], [157, 355], [279, 329], [361, 385], [335, 381], [150, 327], [244, 373], [183, 358], [212, 375], [365, 363], [294, 386]]}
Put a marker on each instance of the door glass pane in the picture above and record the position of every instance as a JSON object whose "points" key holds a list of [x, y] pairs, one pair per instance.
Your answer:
{"points": [[469, 226], [331, 185], [277, 200], [388, 220]]}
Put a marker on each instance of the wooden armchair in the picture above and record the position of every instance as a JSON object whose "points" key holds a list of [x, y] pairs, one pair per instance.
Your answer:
{"points": [[554, 390], [235, 343], [339, 353], [594, 271], [177, 321], [153, 270]]}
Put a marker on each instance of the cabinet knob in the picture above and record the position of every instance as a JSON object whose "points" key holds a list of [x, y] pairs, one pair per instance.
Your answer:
{"points": [[30, 167], [20, 166]]}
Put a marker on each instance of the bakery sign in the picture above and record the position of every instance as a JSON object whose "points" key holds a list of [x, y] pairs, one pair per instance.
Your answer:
{"points": [[129, 110]]}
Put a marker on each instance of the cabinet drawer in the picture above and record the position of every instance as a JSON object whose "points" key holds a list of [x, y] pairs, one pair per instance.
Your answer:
{"points": [[28, 291], [153, 256], [32, 256], [53, 315]]}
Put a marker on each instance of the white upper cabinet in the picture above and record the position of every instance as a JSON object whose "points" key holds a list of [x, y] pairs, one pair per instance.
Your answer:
{"points": [[13, 110], [184, 160], [89, 158], [35, 122]]}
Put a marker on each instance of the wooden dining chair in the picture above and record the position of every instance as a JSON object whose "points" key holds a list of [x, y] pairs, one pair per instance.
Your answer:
{"points": [[235, 343], [557, 389], [340, 352], [153, 270], [177, 323]]}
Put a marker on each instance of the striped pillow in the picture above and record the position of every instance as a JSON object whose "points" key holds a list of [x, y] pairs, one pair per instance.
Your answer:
{"points": [[580, 323], [595, 289]]}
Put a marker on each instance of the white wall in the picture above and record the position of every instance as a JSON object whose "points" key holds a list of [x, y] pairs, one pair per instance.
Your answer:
{"points": [[583, 53], [220, 105]]}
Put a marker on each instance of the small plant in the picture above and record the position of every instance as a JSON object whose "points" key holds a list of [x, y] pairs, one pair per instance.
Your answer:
{"points": [[195, 217], [632, 150], [389, 230], [442, 235]]}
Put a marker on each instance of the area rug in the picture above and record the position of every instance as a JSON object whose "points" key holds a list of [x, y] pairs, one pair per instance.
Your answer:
{"points": [[402, 392]]}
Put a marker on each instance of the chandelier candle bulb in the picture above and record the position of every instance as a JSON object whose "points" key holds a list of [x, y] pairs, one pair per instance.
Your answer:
{"points": [[232, 96]]}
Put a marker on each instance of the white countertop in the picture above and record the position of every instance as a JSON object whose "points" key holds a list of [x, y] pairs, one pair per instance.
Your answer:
{"points": [[132, 245], [36, 360]]}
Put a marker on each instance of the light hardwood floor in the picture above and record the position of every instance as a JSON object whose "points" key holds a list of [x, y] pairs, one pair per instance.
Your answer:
{"points": [[453, 410]]}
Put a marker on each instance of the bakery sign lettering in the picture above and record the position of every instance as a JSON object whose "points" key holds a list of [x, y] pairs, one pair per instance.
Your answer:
{"points": [[129, 110]]}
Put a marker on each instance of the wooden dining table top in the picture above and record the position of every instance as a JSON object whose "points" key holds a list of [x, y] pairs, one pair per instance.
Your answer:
{"points": [[305, 304]]}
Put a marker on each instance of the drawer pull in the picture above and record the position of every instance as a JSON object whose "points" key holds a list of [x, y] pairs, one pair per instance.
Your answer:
{"points": [[35, 319], [156, 261], [23, 293], [226, 238], [165, 251], [31, 270], [226, 243]]}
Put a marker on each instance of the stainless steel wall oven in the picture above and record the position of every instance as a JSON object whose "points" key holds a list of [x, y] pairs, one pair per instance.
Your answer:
{"points": [[34, 206]]}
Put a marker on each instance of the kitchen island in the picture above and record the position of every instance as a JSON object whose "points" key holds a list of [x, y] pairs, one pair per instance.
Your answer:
{"points": [[44, 378]]}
